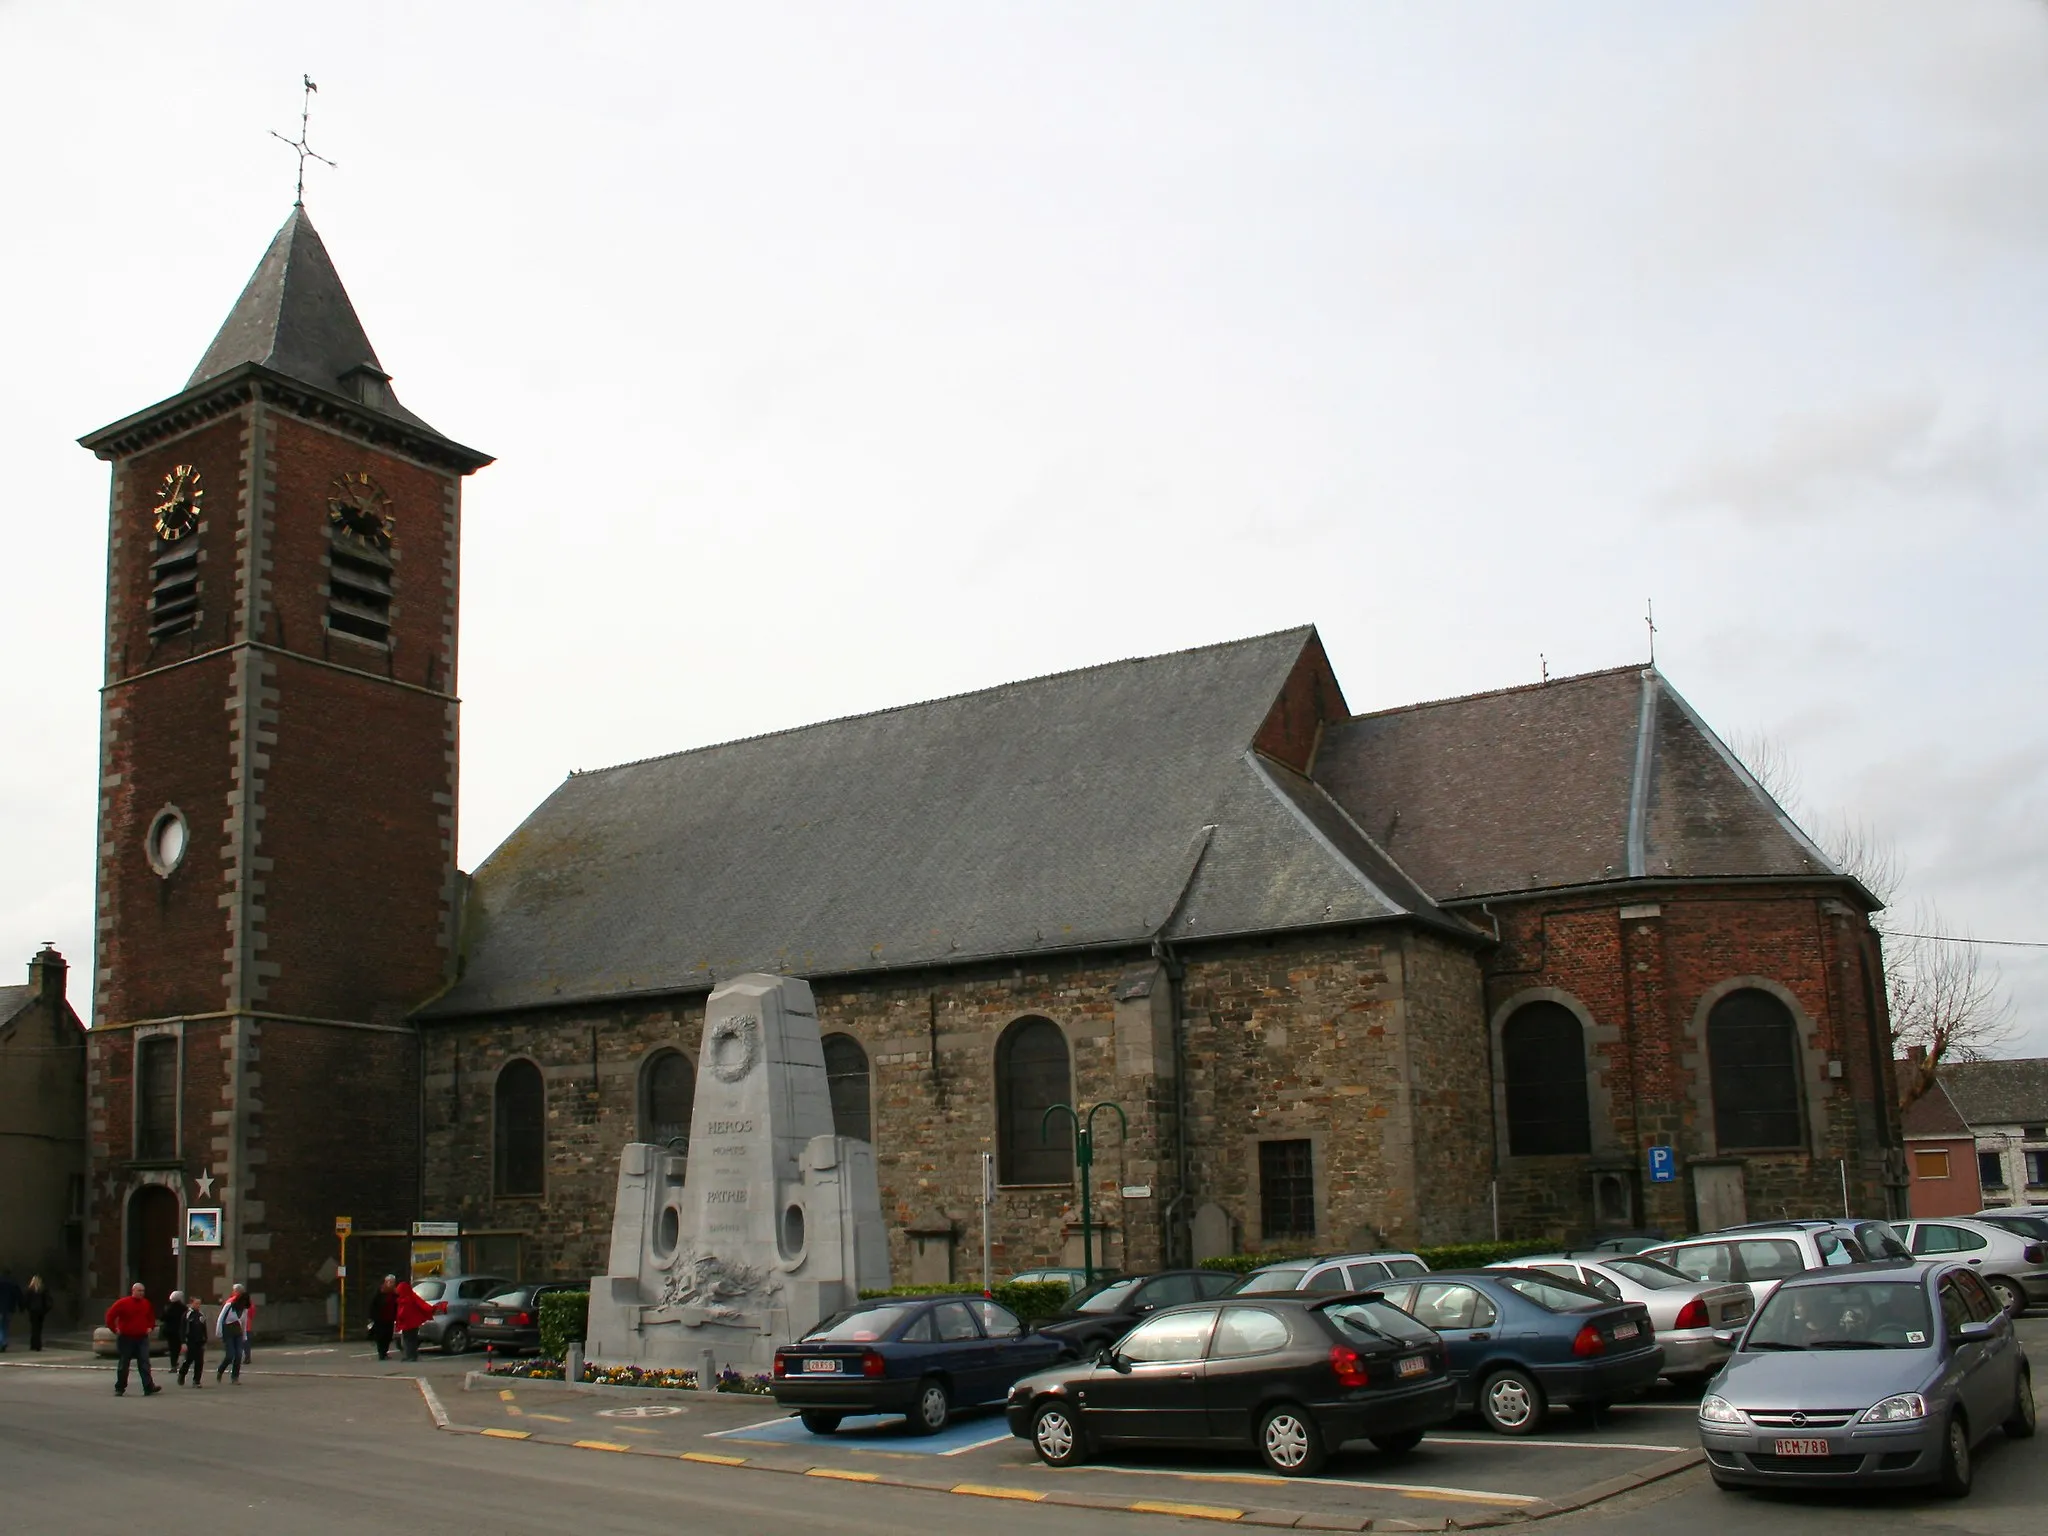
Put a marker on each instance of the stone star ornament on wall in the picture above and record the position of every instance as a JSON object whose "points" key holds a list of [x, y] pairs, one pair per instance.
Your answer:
{"points": [[205, 1183]]}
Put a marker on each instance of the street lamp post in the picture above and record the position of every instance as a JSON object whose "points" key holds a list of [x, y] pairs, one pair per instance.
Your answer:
{"points": [[1084, 1158]]}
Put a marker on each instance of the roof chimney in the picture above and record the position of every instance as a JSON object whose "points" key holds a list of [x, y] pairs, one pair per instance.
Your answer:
{"points": [[46, 975]]}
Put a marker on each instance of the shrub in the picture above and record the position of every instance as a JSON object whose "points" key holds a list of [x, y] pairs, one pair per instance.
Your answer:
{"points": [[564, 1320], [1031, 1302]]}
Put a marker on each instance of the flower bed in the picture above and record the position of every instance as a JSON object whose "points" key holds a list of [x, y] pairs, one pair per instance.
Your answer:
{"points": [[632, 1376]]}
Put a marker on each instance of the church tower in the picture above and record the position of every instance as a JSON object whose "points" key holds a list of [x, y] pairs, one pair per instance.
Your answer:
{"points": [[276, 856]]}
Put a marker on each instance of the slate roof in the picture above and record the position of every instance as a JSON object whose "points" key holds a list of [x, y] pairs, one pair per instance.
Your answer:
{"points": [[1605, 776], [13, 1000], [1091, 808], [295, 317], [1934, 1116], [1999, 1092]]}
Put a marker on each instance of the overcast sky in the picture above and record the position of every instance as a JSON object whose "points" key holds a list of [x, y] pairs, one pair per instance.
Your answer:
{"points": [[842, 356]]}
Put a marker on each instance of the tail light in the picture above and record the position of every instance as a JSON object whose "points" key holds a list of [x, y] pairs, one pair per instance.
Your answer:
{"points": [[1349, 1368], [440, 1309], [781, 1366], [523, 1320], [872, 1364], [1693, 1315], [1589, 1342], [2036, 1253]]}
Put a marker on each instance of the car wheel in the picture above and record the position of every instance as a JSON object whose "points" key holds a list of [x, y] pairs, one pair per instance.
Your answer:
{"points": [[1406, 1440], [819, 1422], [1956, 1471], [1056, 1436], [2010, 1296], [1290, 1443], [1511, 1403], [456, 1340], [933, 1408], [2020, 1426]]}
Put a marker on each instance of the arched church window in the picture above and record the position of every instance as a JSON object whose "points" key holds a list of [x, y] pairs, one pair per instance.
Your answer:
{"points": [[1033, 1073], [1753, 1055], [668, 1092], [846, 1078], [520, 1130], [1543, 1066]]}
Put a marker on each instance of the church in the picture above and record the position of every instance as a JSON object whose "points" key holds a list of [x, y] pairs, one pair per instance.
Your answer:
{"points": [[1530, 963]]}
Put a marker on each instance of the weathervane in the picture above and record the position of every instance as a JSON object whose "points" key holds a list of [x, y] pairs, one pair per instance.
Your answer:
{"points": [[299, 144]]}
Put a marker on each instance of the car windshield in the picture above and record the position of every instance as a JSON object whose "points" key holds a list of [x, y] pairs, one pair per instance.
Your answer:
{"points": [[1287, 1279], [1555, 1295], [863, 1325], [1647, 1272], [430, 1290], [1850, 1314], [1103, 1296], [1376, 1320]]}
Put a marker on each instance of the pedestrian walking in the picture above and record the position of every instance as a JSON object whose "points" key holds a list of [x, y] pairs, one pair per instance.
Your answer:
{"points": [[10, 1303], [231, 1327], [35, 1301], [133, 1320], [170, 1328], [412, 1311], [384, 1316], [194, 1340]]}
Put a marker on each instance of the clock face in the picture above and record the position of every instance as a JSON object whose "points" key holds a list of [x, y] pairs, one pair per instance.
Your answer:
{"points": [[361, 508], [176, 512]]}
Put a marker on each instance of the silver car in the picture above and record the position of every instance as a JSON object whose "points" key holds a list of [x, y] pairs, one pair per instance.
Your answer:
{"points": [[454, 1299], [1763, 1254], [1693, 1319], [2013, 1264], [1335, 1272], [1875, 1374]]}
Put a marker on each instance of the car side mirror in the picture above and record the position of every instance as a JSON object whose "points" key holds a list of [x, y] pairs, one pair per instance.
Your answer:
{"points": [[1120, 1364], [1969, 1331]]}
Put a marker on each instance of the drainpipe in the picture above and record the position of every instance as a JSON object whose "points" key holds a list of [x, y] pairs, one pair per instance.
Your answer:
{"points": [[1176, 973]]}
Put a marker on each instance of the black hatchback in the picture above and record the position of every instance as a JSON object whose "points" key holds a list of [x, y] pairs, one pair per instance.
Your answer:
{"points": [[1291, 1375], [510, 1320]]}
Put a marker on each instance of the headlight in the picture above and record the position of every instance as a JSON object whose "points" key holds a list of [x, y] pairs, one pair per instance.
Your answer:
{"points": [[1897, 1410], [1718, 1410]]}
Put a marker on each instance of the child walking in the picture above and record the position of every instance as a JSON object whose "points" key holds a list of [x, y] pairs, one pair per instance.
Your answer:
{"points": [[194, 1357]]}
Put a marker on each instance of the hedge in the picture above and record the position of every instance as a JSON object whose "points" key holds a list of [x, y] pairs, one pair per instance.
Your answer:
{"points": [[564, 1320], [1031, 1302], [1445, 1256]]}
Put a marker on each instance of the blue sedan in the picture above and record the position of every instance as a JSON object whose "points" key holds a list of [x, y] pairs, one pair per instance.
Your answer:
{"points": [[922, 1357], [1521, 1341]]}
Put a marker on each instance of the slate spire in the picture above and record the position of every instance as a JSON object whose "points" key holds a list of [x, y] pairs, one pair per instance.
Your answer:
{"points": [[295, 317]]}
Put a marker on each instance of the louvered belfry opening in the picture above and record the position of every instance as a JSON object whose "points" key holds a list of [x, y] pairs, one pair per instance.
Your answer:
{"points": [[173, 588], [359, 582]]}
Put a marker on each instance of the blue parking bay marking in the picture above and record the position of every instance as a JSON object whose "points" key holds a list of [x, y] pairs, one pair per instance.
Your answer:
{"points": [[877, 1432]]}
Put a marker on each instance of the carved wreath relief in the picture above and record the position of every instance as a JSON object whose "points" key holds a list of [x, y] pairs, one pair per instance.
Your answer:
{"points": [[734, 1047]]}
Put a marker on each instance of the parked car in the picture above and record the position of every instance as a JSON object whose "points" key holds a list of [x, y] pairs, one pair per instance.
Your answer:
{"points": [[1761, 1255], [1074, 1279], [1619, 1242], [1875, 1374], [1109, 1309], [510, 1321], [2015, 1266], [1521, 1342], [454, 1299], [923, 1357], [1693, 1318], [1340, 1272], [2026, 1220], [1292, 1375]]}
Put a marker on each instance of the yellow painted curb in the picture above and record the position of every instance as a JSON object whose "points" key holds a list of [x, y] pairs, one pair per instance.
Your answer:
{"points": [[504, 1394], [988, 1491], [716, 1461], [599, 1445], [1191, 1511], [509, 1434], [844, 1477]]}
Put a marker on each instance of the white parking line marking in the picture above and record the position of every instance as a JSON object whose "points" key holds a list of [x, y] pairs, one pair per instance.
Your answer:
{"points": [[1480, 1495], [1653, 1408], [977, 1445], [1560, 1445], [720, 1434]]}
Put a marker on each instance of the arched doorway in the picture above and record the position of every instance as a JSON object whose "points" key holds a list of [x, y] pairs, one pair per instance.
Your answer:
{"points": [[152, 1229]]}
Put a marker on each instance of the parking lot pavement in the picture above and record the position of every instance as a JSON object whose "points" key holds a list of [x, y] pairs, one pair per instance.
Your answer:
{"points": [[1463, 1472]]}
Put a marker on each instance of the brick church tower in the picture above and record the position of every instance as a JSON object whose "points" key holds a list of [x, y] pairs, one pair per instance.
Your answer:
{"points": [[276, 854]]}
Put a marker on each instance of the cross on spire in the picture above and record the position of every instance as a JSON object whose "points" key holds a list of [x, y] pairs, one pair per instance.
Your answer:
{"points": [[299, 144]]}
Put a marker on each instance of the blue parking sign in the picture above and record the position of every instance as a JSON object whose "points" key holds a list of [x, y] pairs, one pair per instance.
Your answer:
{"points": [[1663, 1165]]}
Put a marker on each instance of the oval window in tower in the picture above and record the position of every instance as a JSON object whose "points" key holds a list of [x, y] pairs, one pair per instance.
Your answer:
{"points": [[167, 839]]}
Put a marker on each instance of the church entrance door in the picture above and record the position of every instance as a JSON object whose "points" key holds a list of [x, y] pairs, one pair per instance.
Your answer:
{"points": [[152, 1229]]}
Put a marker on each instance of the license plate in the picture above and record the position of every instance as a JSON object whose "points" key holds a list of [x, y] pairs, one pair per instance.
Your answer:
{"points": [[1804, 1448], [1414, 1365], [814, 1366], [1624, 1330]]}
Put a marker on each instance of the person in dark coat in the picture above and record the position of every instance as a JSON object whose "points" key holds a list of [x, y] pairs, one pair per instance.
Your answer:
{"points": [[36, 1302], [194, 1340], [171, 1329], [231, 1327], [133, 1319], [10, 1303], [384, 1316]]}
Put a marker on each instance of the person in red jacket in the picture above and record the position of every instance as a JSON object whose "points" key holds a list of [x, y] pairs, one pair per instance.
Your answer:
{"points": [[133, 1320], [412, 1311]]}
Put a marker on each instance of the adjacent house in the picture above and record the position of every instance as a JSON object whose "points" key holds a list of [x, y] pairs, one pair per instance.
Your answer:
{"points": [[42, 1131], [2006, 1105], [1941, 1157]]}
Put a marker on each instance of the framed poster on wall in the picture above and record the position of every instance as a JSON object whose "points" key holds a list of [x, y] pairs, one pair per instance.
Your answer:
{"points": [[202, 1227]]}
